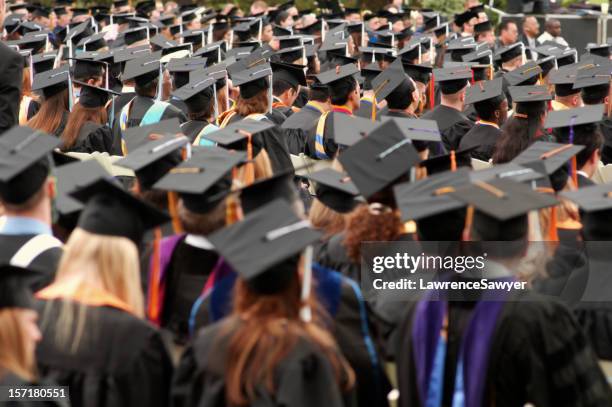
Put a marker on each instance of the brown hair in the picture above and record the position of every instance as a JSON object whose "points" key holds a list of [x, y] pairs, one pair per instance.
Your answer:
{"points": [[26, 85], [15, 356], [256, 104], [366, 226], [49, 117], [77, 118], [202, 224], [270, 329]]}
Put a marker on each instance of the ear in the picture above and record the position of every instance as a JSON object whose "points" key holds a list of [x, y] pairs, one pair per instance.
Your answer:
{"points": [[51, 190], [497, 114]]}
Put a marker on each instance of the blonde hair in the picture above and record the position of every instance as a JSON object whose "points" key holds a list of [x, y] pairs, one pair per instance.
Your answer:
{"points": [[15, 356], [106, 262], [324, 218]]}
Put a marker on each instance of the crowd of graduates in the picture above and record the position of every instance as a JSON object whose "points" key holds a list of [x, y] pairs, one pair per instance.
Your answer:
{"points": [[186, 192]]}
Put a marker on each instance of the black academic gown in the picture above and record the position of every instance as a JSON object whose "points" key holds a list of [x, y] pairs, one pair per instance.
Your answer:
{"points": [[93, 137], [44, 264], [185, 278], [121, 360], [192, 128], [538, 355], [11, 68], [179, 104], [121, 101], [60, 129], [297, 127], [303, 378], [302, 98], [505, 84], [278, 115], [329, 145], [274, 143], [140, 105], [584, 181], [11, 380], [606, 130], [33, 108], [453, 125], [484, 137]]}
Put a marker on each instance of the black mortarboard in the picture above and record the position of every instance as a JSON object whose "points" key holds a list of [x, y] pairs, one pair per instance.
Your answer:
{"points": [[60, 11], [527, 74], [234, 136], [145, 7], [264, 246], [84, 69], [41, 12], [93, 96], [120, 3], [131, 53], [34, 42], [93, 42], [123, 18], [266, 190], [552, 155], [563, 79], [444, 162], [18, 6], [212, 52], [479, 56], [483, 27], [288, 41], [27, 27], [15, 291], [546, 64], [143, 69], [134, 35], [167, 20], [79, 12], [279, 31], [419, 72], [197, 93], [239, 52], [43, 62], [160, 42], [12, 22], [253, 80], [371, 54], [430, 20], [203, 180], [338, 74], [591, 199], [524, 94], [348, 130], [575, 117], [595, 75], [335, 190], [71, 177], [464, 17], [452, 80], [509, 52], [311, 29], [379, 159], [24, 163], [388, 80], [51, 82], [370, 72], [79, 32], [509, 170], [486, 90], [196, 37], [602, 50], [289, 54], [430, 196], [135, 137], [290, 73], [501, 207], [112, 211]]}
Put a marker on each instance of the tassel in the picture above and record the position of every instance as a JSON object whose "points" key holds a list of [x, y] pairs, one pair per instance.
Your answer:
{"points": [[249, 167], [453, 161], [374, 108], [173, 209], [469, 217], [431, 92], [154, 277], [574, 173], [553, 236]]}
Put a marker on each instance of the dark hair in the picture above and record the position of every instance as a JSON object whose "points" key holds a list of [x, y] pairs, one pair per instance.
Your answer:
{"points": [[341, 89], [318, 94], [146, 89], [594, 95], [50, 115], [256, 104], [587, 135], [595, 225], [401, 97], [503, 26], [280, 17], [514, 139], [444, 226], [486, 109], [280, 86]]}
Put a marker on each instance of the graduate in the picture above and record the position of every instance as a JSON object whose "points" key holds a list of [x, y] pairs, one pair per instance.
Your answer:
{"points": [[448, 114], [287, 79], [198, 95], [436, 334], [95, 340], [87, 126], [491, 106], [54, 86], [27, 192], [229, 363]]}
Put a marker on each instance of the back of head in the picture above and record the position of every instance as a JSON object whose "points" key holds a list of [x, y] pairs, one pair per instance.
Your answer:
{"points": [[445, 226], [341, 89], [401, 97]]}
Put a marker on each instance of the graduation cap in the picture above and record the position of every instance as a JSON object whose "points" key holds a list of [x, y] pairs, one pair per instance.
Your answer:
{"points": [[525, 94], [430, 196], [153, 159], [592, 199], [445, 162], [197, 93], [279, 31], [575, 117], [369, 72], [290, 73], [167, 20], [430, 20], [563, 79], [349, 130], [527, 74], [120, 19], [52, 82], [239, 53], [212, 52], [372, 54], [71, 177], [112, 211], [203, 180], [487, 90], [452, 80], [120, 3], [290, 54], [483, 27], [234, 135], [143, 69], [134, 35], [335, 190], [161, 42], [60, 11], [43, 62], [24, 163], [501, 207], [127, 54], [78, 11], [36, 43], [195, 37], [313, 28], [593, 75], [12, 22], [145, 7], [18, 6], [94, 96], [41, 12], [464, 17], [93, 42], [136, 137], [252, 81], [480, 56], [417, 130], [546, 64], [379, 159], [79, 32], [419, 72], [510, 52], [602, 50], [552, 155], [264, 246], [84, 69], [264, 191], [15, 291], [288, 41], [338, 74], [388, 80], [188, 16]]}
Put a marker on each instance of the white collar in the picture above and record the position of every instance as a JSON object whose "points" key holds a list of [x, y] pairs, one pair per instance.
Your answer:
{"points": [[584, 174], [127, 89], [199, 241]]}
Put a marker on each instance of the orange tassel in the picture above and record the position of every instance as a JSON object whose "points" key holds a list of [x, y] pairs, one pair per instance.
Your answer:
{"points": [[249, 167], [153, 310], [173, 209], [453, 161], [574, 173], [374, 108], [553, 236], [431, 92]]}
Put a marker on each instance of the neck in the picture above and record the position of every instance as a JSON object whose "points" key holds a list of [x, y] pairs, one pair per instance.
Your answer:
{"points": [[589, 168], [454, 104], [343, 108], [41, 213]]}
